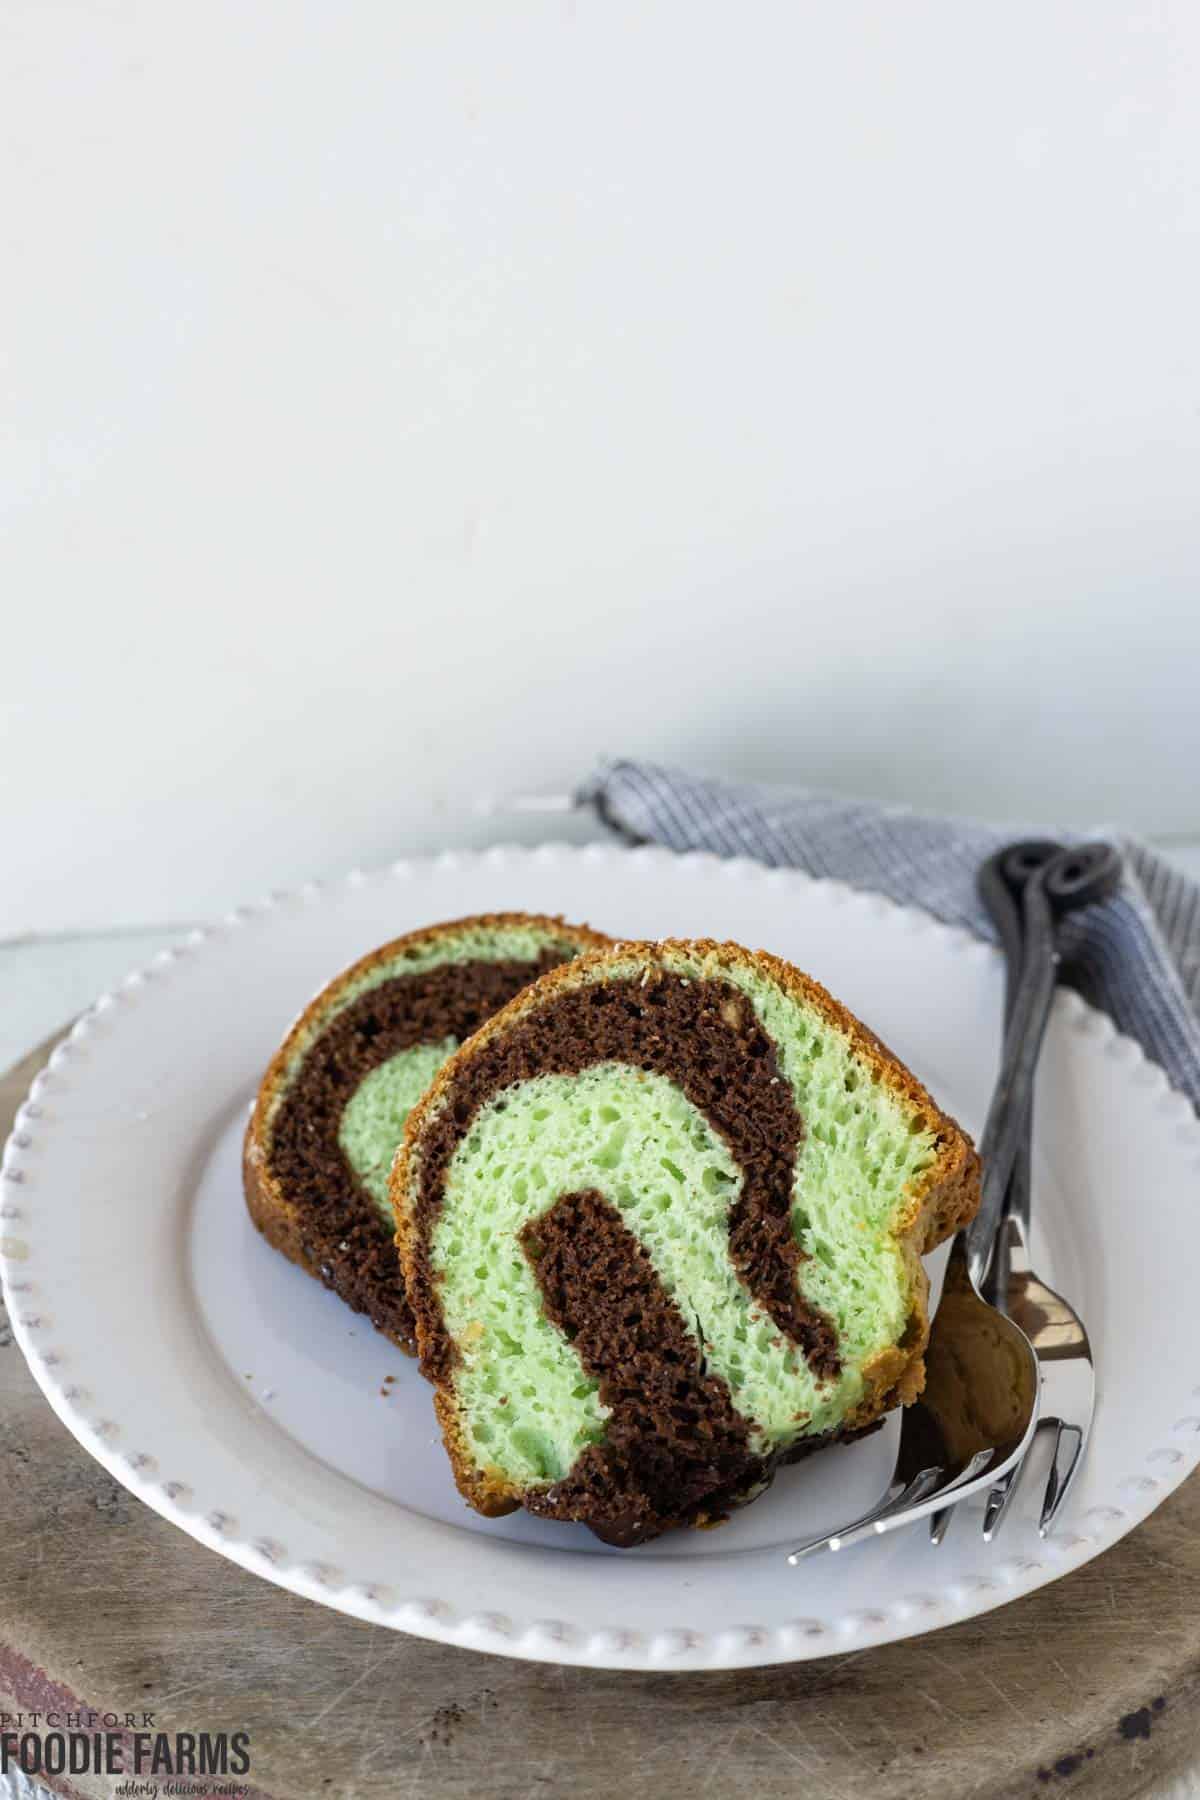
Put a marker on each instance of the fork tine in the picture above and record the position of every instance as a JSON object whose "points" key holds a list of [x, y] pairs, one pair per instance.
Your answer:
{"points": [[939, 1524], [1068, 1455], [916, 1489], [913, 1494], [996, 1510], [901, 1510], [976, 1466], [923, 1495]]}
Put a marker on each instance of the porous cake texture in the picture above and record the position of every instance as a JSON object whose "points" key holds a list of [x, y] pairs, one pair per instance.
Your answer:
{"points": [[333, 1103], [661, 1222]]}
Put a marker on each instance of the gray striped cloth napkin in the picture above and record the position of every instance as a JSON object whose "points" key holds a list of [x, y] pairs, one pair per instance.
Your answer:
{"points": [[1136, 956]]}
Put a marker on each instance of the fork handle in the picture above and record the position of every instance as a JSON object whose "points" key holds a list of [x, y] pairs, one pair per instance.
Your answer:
{"points": [[1012, 1099], [1050, 885], [1002, 881]]}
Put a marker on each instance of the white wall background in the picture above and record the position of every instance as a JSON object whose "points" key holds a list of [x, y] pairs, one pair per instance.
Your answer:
{"points": [[404, 401]]}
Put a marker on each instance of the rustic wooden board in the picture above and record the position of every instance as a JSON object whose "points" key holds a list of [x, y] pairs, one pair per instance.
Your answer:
{"points": [[1090, 1686]]}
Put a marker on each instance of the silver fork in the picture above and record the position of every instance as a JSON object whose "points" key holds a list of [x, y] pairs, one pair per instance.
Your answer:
{"points": [[1027, 888], [978, 1412], [972, 1424], [1059, 882]]}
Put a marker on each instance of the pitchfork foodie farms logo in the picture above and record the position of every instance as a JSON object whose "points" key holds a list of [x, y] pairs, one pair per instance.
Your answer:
{"points": [[156, 1763]]}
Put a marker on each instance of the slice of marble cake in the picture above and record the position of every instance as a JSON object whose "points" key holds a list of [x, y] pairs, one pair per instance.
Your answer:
{"points": [[661, 1221], [333, 1103]]}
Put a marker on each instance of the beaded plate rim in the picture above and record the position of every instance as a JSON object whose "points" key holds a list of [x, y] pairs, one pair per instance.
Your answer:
{"points": [[208, 1517]]}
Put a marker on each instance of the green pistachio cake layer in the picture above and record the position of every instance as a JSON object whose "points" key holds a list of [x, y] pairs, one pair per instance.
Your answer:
{"points": [[661, 1222], [333, 1105]]}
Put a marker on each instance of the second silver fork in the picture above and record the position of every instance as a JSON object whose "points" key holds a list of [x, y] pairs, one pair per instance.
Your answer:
{"points": [[990, 1255], [1028, 888]]}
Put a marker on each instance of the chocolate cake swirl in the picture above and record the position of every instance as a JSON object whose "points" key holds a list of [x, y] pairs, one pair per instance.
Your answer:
{"points": [[370, 1037], [633, 1239]]}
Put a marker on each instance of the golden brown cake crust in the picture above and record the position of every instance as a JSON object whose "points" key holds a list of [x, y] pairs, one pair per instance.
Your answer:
{"points": [[273, 1211], [943, 1199]]}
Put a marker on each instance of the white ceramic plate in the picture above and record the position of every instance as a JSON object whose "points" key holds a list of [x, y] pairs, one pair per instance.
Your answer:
{"points": [[242, 1401]]}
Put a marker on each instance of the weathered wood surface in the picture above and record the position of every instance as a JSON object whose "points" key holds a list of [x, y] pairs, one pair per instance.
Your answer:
{"points": [[1091, 1686]]}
